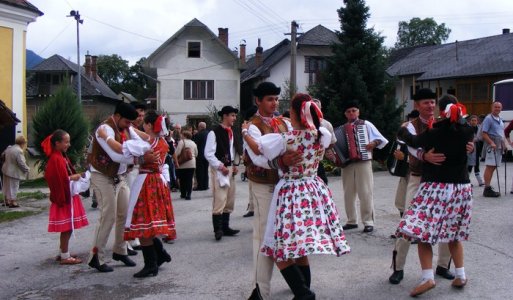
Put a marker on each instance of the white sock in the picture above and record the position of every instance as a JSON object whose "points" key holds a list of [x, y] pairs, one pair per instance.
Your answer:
{"points": [[427, 275], [65, 255], [460, 273]]}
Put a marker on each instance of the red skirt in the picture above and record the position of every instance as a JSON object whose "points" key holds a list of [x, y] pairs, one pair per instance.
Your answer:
{"points": [[153, 212], [59, 219]]}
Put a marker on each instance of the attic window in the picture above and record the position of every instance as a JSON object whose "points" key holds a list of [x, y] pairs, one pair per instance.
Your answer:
{"points": [[193, 49]]}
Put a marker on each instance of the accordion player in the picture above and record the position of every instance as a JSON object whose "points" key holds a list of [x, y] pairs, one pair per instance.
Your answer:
{"points": [[352, 139]]}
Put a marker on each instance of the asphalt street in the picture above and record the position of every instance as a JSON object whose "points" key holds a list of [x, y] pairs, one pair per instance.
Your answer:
{"points": [[205, 269]]}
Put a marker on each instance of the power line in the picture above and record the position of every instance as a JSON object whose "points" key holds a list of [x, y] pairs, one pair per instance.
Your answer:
{"points": [[263, 18], [124, 30], [262, 6]]}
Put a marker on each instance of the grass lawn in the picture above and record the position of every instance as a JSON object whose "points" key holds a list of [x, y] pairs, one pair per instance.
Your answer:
{"points": [[6, 216], [33, 183], [27, 195]]}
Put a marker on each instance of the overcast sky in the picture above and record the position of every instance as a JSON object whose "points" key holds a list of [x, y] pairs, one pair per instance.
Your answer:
{"points": [[135, 28]]}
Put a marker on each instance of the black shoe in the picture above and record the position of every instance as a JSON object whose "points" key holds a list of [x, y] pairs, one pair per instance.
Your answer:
{"points": [[226, 226], [182, 196], [349, 226], [396, 277], [489, 192], [131, 252], [368, 229], [393, 236], [137, 248], [94, 204], [444, 272], [150, 263], [217, 221], [124, 259], [255, 294], [95, 263], [249, 214], [188, 198]]}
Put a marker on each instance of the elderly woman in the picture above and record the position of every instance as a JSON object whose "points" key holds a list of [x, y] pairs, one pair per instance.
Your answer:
{"points": [[185, 169], [14, 169]]}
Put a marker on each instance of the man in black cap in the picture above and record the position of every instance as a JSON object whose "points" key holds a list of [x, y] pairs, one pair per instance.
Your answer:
{"points": [[220, 153], [200, 138], [263, 176], [108, 180], [425, 103], [357, 176]]}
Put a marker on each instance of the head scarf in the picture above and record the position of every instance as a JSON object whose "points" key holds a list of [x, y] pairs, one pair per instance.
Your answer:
{"points": [[159, 127], [454, 112], [46, 145], [306, 115]]}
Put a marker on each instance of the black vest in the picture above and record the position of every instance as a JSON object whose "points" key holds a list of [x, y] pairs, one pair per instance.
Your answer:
{"points": [[223, 146]]}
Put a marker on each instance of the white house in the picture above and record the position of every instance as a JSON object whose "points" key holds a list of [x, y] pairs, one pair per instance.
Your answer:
{"points": [[313, 47], [195, 70]]}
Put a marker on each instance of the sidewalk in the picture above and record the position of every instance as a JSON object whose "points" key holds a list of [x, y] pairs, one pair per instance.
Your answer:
{"points": [[205, 269]]}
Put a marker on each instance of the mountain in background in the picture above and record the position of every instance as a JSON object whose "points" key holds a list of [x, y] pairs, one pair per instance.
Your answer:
{"points": [[33, 59]]}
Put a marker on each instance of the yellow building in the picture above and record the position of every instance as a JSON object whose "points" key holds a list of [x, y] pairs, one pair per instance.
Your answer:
{"points": [[15, 15]]}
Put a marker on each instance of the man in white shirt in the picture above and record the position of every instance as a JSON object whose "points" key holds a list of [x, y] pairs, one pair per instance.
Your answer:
{"points": [[220, 153], [357, 177], [108, 180]]}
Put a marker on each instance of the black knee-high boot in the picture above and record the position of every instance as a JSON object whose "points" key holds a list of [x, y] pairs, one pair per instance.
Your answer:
{"points": [[296, 282], [226, 226], [150, 263], [217, 222], [305, 270], [162, 255]]}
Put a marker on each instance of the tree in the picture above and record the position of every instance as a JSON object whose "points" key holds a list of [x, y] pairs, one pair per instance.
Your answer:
{"points": [[61, 111], [139, 81], [114, 70], [421, 31], [356, 71]]}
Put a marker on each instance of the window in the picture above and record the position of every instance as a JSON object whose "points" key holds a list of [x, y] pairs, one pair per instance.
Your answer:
{"points": [[198, 89], [56, 79], [193, 49], [314, 64]]}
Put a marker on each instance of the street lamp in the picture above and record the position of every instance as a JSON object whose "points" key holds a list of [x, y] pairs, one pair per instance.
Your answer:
{"points": [[76, 15]]}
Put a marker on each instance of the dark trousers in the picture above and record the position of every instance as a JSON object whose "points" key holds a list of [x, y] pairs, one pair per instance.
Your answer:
{"points": [[322, 173], [185, 178], [202, 174]]}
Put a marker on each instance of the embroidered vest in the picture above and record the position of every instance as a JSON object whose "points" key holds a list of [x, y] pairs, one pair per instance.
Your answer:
{"points": [[416, 164], [254, 172], [100, 160]]}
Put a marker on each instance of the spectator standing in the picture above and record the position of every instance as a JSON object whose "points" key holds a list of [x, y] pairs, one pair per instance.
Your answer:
{"points": [[14, 169]]}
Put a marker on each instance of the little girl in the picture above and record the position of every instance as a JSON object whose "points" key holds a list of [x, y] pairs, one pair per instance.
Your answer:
{"points": [[303, 219], [66, 210]]}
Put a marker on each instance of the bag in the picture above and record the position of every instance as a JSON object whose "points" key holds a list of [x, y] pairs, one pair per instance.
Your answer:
{"points": [[185, 155], [398, 167]]}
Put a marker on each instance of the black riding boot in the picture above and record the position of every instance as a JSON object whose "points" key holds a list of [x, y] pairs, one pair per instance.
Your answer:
{"points": [[150, 263], [162, 255], [296, 282], [217, 221], [226, 226], [305, 270]]}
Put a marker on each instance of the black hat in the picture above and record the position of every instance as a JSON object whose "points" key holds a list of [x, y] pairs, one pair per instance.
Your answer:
{"points": [[126, 111], [424, 93], [351, 104], [227, 110], [265, 89]]}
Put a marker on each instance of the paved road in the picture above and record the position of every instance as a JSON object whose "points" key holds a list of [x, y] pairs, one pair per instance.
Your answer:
{"points": [[205, 269]]}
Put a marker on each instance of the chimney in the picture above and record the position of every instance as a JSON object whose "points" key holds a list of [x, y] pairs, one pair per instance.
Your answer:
{"points": [[242, 48], [259, 59], [94, 69], [505, 31], [223, 35], [87, 65]]}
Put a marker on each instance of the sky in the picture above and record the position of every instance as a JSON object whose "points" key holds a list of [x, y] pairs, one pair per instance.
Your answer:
{"points": [[134, 29]]}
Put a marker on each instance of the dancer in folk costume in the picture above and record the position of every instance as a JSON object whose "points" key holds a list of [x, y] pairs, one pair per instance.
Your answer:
{"points": [[441, 210], [66, 210], [303, 219], [150, 211]]}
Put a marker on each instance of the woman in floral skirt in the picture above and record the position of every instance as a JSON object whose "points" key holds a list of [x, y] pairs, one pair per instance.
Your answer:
{"points": [[66, 210], [150, 211], [441, 210], [303, 219]]}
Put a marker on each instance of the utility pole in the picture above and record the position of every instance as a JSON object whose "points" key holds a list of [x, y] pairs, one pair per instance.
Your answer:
{"points": [[293, 33], [76, 15]]}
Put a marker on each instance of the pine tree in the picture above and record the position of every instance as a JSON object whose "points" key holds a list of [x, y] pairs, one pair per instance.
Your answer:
{"points": [[356, 71], [61, 111]]}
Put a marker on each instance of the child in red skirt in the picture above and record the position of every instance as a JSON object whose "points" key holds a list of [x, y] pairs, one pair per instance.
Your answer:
{"points": [[66, 210]]}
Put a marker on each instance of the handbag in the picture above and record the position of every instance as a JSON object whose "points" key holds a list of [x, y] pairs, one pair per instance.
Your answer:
{"points": [[185, 154]]}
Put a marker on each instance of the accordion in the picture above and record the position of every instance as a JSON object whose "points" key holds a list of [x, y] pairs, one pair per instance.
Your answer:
{"points": [[398, 167], [351, 142]]}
